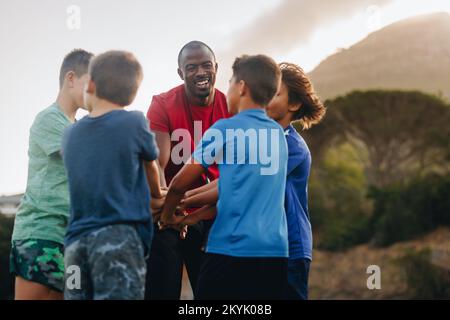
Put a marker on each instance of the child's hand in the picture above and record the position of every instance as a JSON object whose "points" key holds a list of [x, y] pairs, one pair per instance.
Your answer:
{"points": [[156, 205]]}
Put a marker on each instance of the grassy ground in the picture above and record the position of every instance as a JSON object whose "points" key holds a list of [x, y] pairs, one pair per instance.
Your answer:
{"points": [[342, 275]]}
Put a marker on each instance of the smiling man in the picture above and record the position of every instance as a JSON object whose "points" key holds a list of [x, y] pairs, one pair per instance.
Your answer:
{"points": [[182, 109]]}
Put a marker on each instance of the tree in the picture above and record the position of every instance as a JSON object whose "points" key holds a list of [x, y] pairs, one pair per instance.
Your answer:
{"points": [[399, 134]]}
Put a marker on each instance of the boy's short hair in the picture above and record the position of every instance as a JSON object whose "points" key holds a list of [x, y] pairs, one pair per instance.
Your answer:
{"points": [[261, 75], [301, 91], [77, 61], [117, 75]]}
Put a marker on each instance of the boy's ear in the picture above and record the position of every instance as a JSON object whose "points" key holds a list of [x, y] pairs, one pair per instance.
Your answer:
{"points": [[69, 78], [242, 87], [90, 87], [294, 107], [180, 73]]}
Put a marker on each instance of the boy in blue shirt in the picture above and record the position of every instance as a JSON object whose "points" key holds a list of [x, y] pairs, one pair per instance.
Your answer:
{"points": [[247, 249], [296, 101], [106, 155]]}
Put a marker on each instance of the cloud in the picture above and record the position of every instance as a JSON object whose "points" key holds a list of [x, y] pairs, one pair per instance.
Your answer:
{"points": [[288, 25]]}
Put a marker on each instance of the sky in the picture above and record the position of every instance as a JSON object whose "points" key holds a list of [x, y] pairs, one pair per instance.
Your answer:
{"points": [[36, 35]]}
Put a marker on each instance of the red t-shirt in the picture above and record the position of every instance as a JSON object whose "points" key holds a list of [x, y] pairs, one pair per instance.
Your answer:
{"points": [[170, 111]]}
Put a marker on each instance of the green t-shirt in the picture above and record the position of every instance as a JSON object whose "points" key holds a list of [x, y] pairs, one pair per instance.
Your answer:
{"points": [[44, 209]]}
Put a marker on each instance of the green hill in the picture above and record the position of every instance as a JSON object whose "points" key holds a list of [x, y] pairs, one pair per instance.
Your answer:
{"points": [[410, 54]]}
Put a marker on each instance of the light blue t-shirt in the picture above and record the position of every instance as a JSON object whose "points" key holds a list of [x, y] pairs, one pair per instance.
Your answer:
{"points": [[251, 152]]}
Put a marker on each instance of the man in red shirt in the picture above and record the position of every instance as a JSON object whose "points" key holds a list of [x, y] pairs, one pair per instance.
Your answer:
{"points": [[184, 112]]}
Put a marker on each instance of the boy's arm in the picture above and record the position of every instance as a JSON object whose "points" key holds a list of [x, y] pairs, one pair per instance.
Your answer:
{"points": [[188, 174], [208, 197], [157, 195]]}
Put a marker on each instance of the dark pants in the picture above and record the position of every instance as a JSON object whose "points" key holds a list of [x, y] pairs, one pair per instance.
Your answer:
{"points": [[298, 272], [226, 277], [165, 263]]}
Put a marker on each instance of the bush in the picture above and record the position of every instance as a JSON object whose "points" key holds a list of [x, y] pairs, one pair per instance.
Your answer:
{"points": [[405, 212], [6, 280], [339, 208], [424, 280]]}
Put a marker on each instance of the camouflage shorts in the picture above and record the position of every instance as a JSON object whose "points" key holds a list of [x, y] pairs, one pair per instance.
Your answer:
{"points": [[110, 265], [39, 261]]}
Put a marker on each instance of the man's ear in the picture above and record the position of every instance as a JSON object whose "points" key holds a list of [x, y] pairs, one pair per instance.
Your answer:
{"points": [[216, 66], [90, 87], [69, 78], [294, 107], [180, 73]]}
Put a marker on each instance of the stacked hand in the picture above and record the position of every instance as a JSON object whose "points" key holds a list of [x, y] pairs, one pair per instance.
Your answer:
{"points": [[156, 206]]}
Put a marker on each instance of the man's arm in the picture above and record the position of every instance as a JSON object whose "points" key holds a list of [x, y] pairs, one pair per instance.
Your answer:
{"points": [[204, 213], [202, 189], [188, 174], [163, 142], [152, 172]]}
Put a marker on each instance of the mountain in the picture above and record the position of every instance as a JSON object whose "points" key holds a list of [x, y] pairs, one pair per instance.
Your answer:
{"points": [[410, 54]]}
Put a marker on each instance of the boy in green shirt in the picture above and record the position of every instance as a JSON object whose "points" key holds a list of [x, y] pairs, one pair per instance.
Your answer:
{"points": [[40, 225]]}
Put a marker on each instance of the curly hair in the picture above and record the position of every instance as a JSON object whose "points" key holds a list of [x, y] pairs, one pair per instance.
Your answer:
{"points": [[301, 91]]}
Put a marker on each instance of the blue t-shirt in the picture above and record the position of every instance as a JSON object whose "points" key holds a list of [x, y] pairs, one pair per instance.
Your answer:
{"points": [[251, 153], [296, 202], [104, 159]]}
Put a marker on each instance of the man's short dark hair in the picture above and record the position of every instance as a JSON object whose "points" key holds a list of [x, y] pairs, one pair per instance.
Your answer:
{"points": [[77, 61], [117, 76], [194, 45], [261, 74]]}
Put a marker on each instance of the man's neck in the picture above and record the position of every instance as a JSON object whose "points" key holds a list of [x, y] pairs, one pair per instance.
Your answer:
{"points": [[66, 105], [198, 101], [101, 107]]}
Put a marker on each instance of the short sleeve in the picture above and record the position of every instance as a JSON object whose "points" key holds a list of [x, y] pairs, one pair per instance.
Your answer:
{"points": [[210, 149], [65, 139], [149, 149], [157, 115], [47, 131]]}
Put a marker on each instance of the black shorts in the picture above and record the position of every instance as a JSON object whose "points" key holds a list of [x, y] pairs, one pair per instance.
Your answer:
{"points": [[227, 277]]}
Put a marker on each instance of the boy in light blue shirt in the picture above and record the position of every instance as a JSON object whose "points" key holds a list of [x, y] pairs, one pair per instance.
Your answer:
{"points": [[247, 247]]}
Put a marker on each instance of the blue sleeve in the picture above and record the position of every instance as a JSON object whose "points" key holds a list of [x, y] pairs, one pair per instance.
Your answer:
{"points": [[296, 154], [210, 148], [148, 147]]}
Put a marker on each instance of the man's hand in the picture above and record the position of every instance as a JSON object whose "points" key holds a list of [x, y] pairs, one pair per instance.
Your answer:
{"points": [[191, 219], [172, 222]]}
